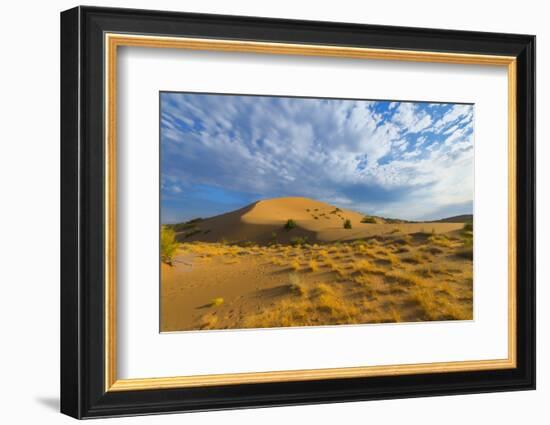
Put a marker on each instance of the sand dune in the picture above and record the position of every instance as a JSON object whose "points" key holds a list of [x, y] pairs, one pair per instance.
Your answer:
{"points": [[245, 269], [264, 221]]}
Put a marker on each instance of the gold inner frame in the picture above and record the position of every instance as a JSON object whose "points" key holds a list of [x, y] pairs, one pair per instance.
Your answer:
{"points": [[113, 41]]}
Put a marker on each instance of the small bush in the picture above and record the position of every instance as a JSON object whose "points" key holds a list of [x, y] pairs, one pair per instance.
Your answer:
{"points": [[290, 224], [168, 245], [298, 241], [347, 224], [440, 240], [216, 302], [467, 252], [273, 239], [368, 219], [468, 227]]}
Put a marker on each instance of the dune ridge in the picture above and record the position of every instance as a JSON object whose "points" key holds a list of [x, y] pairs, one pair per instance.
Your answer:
{"points": [[263, 222]]}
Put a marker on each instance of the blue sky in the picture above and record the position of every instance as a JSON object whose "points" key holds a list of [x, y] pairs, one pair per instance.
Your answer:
{"points": [[409, 160]]}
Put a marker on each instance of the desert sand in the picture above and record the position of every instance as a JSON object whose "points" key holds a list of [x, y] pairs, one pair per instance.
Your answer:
{"points": [[248, 269]]}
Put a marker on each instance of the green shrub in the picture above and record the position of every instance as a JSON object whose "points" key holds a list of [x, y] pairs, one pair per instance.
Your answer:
{"points": [[290, 224], [467, 250], [273, 239], [168, 245], [297, 241], [347, 224], [468, 227], [368, 219]]}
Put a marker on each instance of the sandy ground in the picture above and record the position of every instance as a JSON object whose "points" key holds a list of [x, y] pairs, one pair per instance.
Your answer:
{"points": [[400, 275]]}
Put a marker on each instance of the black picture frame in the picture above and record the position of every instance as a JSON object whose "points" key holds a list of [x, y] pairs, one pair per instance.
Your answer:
{"points": [[82, 212]]}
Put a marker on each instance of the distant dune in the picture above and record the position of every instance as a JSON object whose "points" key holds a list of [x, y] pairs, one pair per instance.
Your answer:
{"points": [[464, 218], [264, 221]]}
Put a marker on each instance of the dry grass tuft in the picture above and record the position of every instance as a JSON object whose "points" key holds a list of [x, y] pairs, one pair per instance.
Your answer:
{"points": [[295, 284], [294, 265], [395, 315], [365, 266], [322, 253], [467, 250], [216, 302], [208, 321], [402, 249], [435, 307], [403, 278], [434, 250], [412, 259], [313, 265], [441, 241]]}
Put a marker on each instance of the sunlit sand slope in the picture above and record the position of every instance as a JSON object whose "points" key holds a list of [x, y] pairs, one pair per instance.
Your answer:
{"points": [[264, 222]]}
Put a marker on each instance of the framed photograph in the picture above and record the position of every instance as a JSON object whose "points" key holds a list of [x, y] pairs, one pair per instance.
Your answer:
{"points": [[261, 212]]}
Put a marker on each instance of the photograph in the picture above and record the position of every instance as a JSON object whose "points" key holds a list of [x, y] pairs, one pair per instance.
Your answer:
{"points": [[293, 211]]}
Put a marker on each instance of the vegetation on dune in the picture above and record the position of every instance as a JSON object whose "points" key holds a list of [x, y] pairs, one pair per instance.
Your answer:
{"points": [[168, 245], [368, 219], [273, 239], [208, 321], [298, 240], [295, 265], [216, 302], [290, 224], [467, 249], [365, 266], [403, 278], [313, 265], [295, 284], [347, 224], [385, 278], [440, 240], [412, 259]]}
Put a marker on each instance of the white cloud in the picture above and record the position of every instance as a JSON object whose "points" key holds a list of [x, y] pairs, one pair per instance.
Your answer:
{"points": [[457, 112], [411, 119], [329, 150]]}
